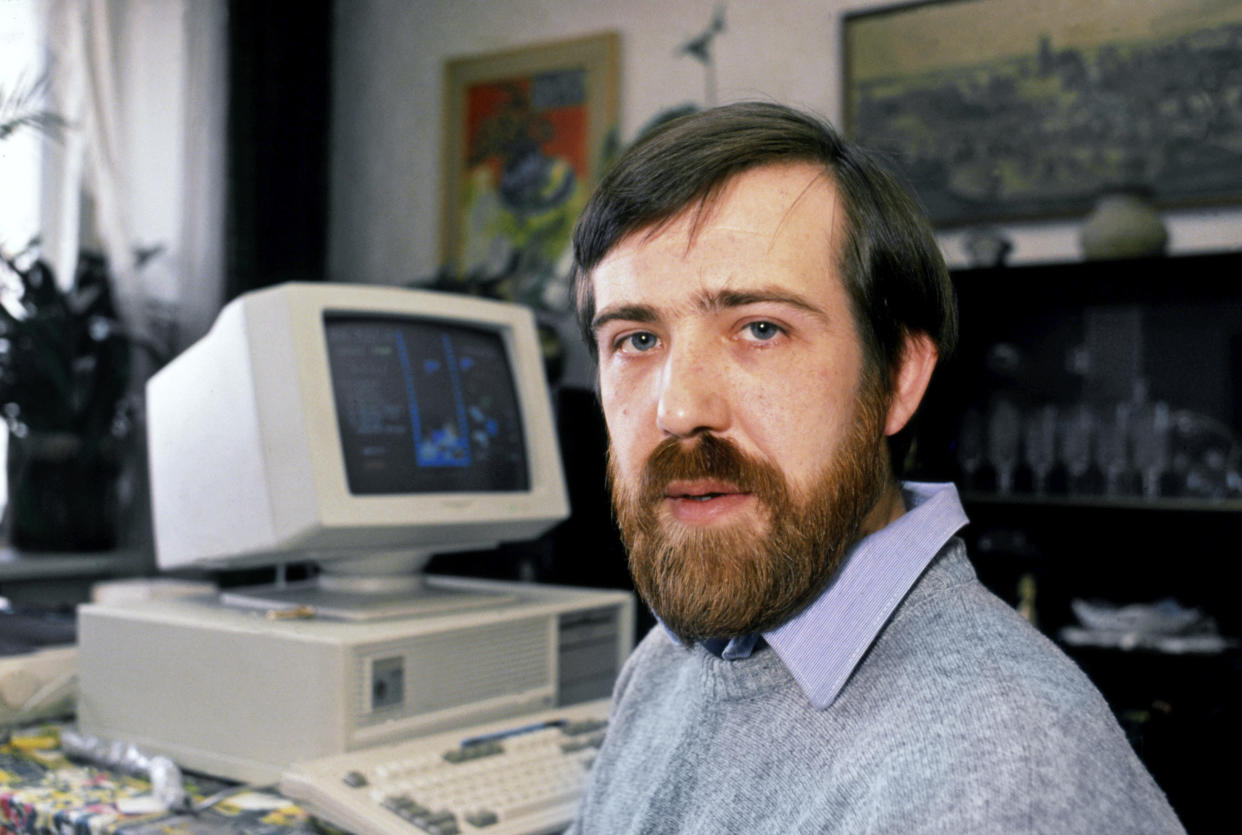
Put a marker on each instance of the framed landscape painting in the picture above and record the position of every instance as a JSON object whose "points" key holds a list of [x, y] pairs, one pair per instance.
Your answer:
{"points": [[525, 136], [1008, 109]]}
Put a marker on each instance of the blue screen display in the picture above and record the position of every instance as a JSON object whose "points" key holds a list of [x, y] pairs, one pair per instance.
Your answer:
{"points": [[424, 406]]}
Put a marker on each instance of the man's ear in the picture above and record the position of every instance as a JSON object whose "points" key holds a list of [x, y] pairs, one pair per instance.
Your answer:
{"points": [[918, 360]]}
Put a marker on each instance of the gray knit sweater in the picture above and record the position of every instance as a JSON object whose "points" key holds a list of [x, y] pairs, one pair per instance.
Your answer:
{"points": [[961, 719]]}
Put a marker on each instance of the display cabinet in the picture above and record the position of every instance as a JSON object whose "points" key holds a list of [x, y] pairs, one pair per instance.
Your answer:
{"points": [[1092, 418]]}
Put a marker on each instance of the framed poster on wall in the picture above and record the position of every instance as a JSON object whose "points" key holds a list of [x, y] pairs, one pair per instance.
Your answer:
{"points": [[526, 132], [1007, 109]]}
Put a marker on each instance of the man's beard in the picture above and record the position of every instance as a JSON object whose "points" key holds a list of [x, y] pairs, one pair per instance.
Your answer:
{"points": [[725, 581]]}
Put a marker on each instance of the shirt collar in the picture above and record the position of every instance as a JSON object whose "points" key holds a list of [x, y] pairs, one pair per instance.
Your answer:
{"points": [[823, 644]]}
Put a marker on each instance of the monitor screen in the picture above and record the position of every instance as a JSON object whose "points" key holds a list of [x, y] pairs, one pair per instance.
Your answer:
{"points": [[424, 406]]}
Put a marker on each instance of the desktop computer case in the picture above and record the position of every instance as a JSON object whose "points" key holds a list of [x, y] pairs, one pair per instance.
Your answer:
{"points": [[240, 694]]}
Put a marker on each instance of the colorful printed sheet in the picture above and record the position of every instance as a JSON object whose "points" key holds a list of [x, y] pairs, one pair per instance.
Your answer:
{"points": [[42, 792]]}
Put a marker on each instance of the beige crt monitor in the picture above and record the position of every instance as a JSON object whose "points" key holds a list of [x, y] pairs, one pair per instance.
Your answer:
{"points": [[361, 428], [365, 427]]}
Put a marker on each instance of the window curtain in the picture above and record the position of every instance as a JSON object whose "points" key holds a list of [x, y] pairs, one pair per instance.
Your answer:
{"points": [[141, 173]]}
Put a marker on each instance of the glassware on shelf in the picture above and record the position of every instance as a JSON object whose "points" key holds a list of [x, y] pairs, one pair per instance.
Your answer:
{"points": [[1004, 441], [1204, 457], [1039, 439], [1077, 435], [1130, 449], [1111, 447], [1150, 424]]}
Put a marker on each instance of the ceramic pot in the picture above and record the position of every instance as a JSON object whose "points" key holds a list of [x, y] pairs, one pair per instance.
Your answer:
{"points": [[63, 493], [1123, 224]]}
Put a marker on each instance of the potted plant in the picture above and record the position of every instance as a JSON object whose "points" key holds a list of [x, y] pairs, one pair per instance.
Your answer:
{"points": [[65, 368], [20, 110]]}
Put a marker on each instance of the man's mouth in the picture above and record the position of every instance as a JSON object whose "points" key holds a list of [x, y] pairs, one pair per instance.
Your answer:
{"points": [[700, 491], [703, 502]]}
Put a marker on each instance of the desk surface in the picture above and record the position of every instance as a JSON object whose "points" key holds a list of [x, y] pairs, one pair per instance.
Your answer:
{"points": [[43, 792], [18, 565]]}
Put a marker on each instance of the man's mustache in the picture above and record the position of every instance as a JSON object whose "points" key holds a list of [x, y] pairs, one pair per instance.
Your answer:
{"points": [[705, 457]]}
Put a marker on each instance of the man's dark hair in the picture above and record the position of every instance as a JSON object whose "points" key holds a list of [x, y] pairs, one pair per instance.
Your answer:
{"points": [[892, 267]]}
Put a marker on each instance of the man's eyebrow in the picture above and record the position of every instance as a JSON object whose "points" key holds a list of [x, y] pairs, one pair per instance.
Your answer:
{"points": [[716, 300], [628, 312], [724, 299]]}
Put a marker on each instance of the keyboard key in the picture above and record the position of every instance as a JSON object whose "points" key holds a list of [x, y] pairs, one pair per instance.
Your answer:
{"points": [[531, 805], [482, 818]]}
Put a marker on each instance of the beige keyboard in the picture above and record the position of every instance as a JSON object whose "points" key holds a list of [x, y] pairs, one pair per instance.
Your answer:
{"points": [[513, 777]]}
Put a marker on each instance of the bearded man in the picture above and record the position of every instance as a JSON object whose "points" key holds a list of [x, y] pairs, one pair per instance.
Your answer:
{"points": [[767, 306]]}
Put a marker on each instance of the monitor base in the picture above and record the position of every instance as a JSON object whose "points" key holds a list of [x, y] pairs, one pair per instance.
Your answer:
{"points": [[311, 598]]}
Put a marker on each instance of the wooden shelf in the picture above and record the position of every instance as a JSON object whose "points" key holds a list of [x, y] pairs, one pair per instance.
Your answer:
{"points": [[1171, 504]]}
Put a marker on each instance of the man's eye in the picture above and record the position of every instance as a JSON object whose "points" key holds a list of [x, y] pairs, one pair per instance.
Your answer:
{"points": [[763, 331], [641, 341]]}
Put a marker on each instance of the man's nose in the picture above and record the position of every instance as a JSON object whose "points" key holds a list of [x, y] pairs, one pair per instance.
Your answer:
{"points": [[692, 399]]}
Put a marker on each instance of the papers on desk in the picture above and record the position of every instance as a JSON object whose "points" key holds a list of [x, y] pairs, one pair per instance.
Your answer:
{"points": [[1164, 626], [38, 663], [41, 791]]}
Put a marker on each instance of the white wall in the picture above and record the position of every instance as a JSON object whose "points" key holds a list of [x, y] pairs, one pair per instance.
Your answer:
{"points": [[389, 55], [387, 76]]}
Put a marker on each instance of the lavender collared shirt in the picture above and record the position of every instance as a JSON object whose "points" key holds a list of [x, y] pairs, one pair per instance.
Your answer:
{"points": [[823, 644]]}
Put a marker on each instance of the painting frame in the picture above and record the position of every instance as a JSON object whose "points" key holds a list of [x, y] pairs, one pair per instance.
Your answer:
{"points": [[557, 94], [1006, 110]]}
